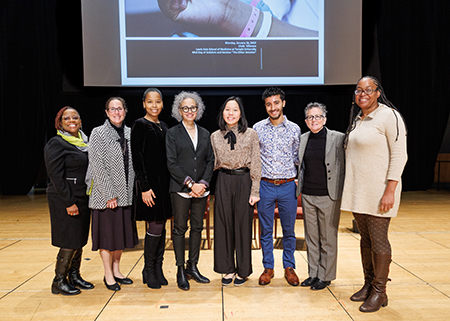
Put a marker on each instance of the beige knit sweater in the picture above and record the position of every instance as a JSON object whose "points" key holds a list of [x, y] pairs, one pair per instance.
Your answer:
{"points": [[374, 155]]}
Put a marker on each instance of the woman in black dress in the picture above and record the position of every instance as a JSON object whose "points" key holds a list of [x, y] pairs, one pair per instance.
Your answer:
{"points": [[113, 228], [66, 160], [151, 190]]}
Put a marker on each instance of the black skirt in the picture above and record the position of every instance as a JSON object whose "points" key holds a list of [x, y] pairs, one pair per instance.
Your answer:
{"points": [[113, 229]]}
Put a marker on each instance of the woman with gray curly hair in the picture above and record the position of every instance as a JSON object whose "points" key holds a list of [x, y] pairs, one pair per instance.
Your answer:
{"points": [[190, 160]]}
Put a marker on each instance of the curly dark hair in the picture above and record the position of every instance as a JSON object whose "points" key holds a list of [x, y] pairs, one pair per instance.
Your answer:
{"points": [[273, 91]]}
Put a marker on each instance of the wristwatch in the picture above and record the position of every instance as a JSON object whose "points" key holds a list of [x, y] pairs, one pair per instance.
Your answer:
{"points": [[190, 184]]}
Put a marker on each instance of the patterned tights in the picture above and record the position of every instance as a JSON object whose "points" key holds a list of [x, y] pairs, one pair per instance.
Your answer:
{"points": [[374, 233]]}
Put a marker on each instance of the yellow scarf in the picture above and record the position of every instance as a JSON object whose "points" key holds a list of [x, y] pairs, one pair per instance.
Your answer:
{"points": [[77, 141]]}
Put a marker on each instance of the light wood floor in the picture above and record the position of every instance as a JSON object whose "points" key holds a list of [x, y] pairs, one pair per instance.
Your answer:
{"points": [[420, 287]]}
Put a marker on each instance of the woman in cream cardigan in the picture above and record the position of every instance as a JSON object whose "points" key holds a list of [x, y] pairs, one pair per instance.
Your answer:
{"points": [[375, 158]]}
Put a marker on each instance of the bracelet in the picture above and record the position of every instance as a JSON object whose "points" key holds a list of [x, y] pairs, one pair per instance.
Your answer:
{"points": [[266, 25], [254, 3], [251, 24]]}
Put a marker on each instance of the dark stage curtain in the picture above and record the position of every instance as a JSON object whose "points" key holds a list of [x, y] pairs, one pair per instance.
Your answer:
{"points": [[404, 45], [414, 56], [30, 84]]}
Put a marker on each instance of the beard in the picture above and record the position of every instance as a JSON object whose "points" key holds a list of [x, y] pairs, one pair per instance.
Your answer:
{"points": [[275, 117]]}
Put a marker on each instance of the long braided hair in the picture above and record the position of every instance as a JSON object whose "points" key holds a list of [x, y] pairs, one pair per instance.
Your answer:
{"points": [[354, 111]]}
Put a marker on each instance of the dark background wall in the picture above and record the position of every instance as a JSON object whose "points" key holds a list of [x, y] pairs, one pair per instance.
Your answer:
{"points": [[405, 45]]}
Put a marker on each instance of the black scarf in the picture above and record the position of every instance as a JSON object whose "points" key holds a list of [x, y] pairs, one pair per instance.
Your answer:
{"points": [[231, 139]]}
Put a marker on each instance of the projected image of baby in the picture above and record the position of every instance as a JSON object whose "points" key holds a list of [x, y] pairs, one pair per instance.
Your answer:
{"points": [[228, 18]]}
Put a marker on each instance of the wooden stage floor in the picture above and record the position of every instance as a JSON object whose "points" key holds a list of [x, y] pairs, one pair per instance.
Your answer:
{"points": [[419, 290]]}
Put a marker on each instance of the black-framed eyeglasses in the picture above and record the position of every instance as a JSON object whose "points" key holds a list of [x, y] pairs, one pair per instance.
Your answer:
{"points": [[186, 109], [316, 117], [114, 109], [368, 91]]}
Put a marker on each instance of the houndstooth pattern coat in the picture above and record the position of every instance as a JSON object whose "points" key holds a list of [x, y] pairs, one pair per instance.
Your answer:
{"points": [[108, 169]]}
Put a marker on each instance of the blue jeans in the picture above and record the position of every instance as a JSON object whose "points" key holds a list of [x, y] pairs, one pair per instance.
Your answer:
{"points": [[284, 195]]}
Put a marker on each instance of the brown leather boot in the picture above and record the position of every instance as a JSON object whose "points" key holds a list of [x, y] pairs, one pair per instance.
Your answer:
{"points": [[378, 297], [366, 260]]}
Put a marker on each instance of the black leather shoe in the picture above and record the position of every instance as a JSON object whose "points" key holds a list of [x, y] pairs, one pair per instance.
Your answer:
{"points": [[309, 281], [113, 287], [320, 285], [124, 280]]}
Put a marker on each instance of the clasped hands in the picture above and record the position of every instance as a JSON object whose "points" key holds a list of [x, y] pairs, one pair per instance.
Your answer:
{"points": [[197, 190]]}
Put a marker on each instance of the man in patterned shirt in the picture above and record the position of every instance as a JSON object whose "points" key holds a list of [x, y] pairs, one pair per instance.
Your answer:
{"points": [[279, 143]]}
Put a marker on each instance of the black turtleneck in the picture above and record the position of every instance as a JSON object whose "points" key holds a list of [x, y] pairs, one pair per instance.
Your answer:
{"points": [[315, 175]]}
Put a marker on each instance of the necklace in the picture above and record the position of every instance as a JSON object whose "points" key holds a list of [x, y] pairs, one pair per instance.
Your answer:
{"points": [[158, 125]]}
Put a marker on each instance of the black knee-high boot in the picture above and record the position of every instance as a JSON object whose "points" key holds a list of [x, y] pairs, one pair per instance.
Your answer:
{"points": [[60, 284], [150, 250], [159, 259], [75, 278]]}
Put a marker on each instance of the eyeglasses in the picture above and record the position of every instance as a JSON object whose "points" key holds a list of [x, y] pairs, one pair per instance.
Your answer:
{"points": [[114, 109], [367, 91], [316, 117], [186, 109], [67, 118]]}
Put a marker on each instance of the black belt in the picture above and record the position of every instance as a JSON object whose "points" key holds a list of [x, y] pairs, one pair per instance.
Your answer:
{"points": [[237, 171]]}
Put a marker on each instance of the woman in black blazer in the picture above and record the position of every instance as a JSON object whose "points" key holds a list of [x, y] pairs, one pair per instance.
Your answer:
{"points": [[66, 160], [190, 159]]}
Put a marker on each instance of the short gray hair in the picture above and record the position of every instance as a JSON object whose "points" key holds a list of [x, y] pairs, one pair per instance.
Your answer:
{"points": [[322, 107], [185, 95]]}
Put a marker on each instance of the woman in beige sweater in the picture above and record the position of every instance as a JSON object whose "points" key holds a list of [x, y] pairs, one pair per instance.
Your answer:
{"points": [[375, 158]]}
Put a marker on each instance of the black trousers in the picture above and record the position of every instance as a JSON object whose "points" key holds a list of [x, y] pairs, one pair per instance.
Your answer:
{"points": [[182, 209], [233, 216]]}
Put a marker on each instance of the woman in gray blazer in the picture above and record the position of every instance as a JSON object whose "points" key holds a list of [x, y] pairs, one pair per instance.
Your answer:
{"points": [[190, 160], [320, 180], [113, 228]]}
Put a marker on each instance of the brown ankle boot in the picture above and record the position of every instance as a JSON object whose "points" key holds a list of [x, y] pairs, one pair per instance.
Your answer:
{"points": [[366, 260], [378, 297]]}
